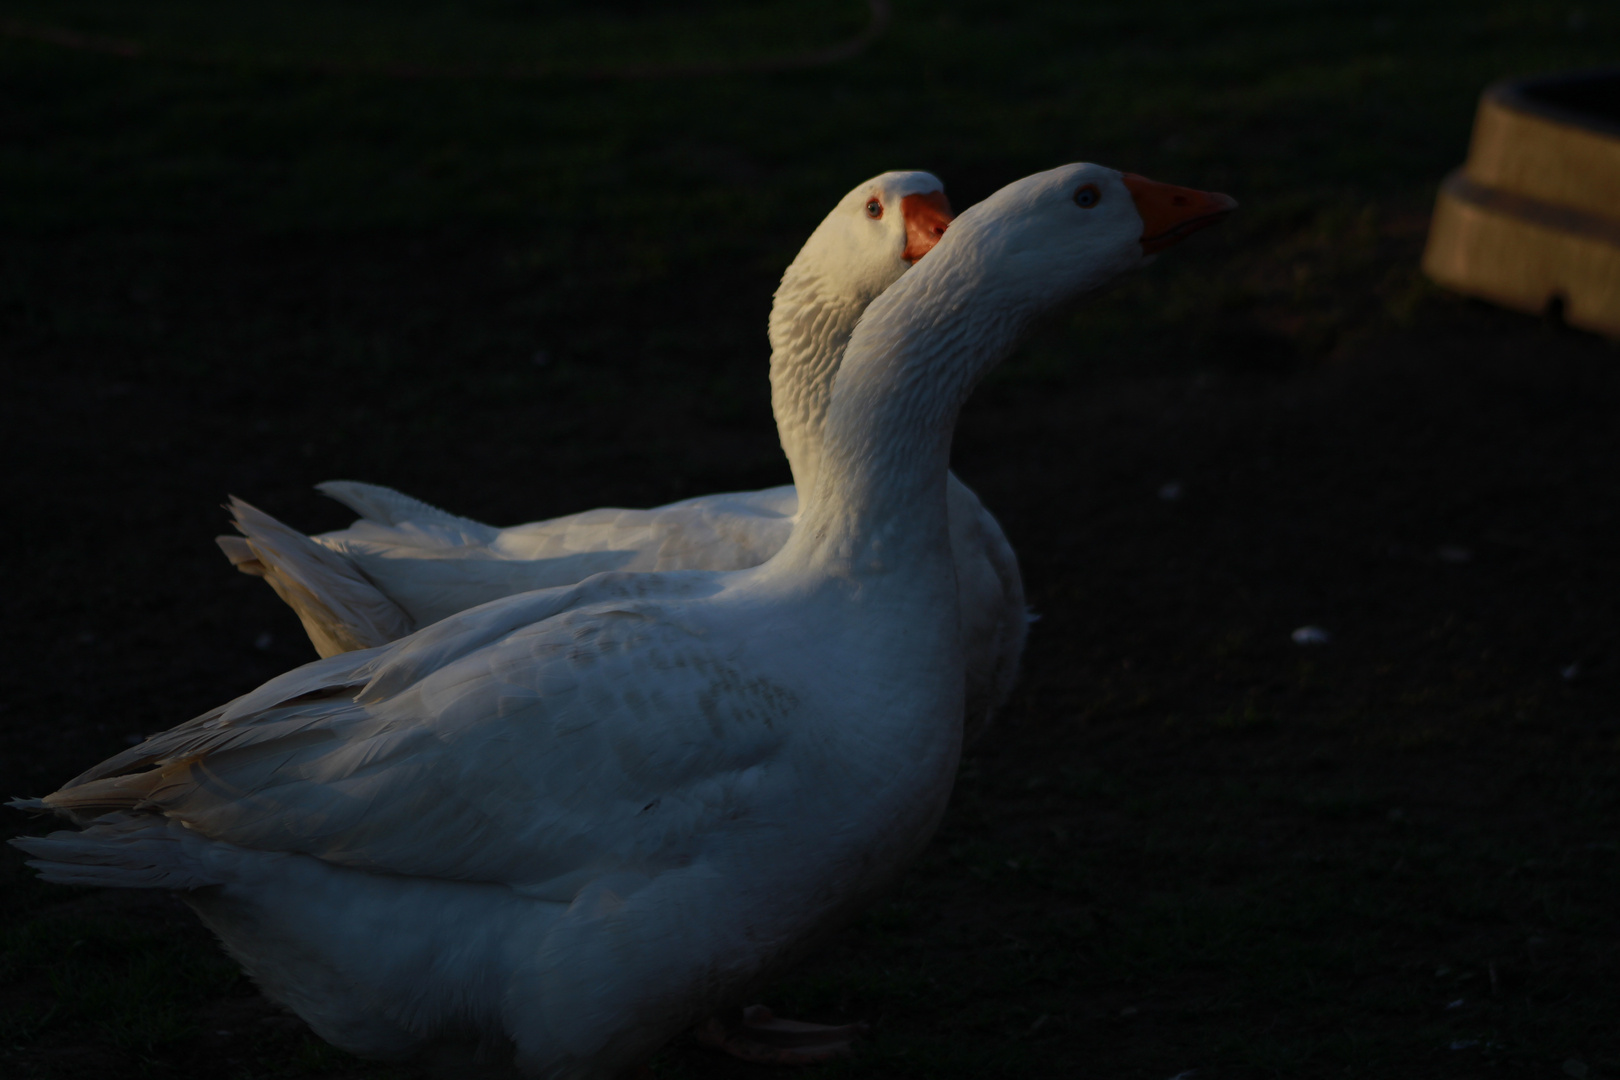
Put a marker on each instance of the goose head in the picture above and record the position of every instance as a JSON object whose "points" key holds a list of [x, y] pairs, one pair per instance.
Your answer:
{"points": [[874, 233], [1060, 234], [872, 236]]}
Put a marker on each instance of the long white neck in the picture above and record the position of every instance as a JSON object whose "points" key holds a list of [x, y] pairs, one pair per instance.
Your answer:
{"points": [[878, 500], [811, 320]]}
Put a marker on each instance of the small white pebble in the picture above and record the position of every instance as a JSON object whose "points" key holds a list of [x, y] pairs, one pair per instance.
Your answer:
{"points": [[1311, 635]]}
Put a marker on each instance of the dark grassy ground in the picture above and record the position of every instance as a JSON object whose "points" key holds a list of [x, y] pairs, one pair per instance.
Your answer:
{"points": [[1191, 844]]}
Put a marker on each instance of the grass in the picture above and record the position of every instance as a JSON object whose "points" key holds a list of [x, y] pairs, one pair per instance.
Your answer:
{"points": [[502, 39], [1195, 845], [134, 990]]}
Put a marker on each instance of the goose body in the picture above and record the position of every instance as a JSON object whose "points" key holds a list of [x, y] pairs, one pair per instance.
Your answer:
{"points": [[406, 564], [548, 832]]}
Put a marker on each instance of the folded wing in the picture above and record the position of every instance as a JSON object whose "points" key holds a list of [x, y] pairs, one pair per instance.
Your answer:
{"points": [[512, 744]]}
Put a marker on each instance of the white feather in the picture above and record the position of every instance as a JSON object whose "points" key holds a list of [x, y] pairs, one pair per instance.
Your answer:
{"points": [[550, 831], [407, 564]]}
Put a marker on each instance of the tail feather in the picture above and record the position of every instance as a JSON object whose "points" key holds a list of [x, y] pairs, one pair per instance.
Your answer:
{"points": [[241, 554], [122, 851], [385, 506], [339, 606]]}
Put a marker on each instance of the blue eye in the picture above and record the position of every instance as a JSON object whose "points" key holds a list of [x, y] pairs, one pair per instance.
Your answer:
{"points": [[1087, 197]]}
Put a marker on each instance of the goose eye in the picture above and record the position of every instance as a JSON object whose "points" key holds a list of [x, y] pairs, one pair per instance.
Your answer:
{"points": [[1087, 197], [874, 209]]}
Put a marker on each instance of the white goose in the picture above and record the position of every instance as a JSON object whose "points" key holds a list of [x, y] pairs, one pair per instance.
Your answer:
{"points": [[552, 831], [406, 564]]}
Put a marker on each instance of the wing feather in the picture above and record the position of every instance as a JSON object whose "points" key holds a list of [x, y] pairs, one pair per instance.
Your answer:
{"points": [[431, 569], [503, 748]]}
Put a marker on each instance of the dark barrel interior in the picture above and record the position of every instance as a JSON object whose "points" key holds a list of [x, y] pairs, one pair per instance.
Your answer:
{"points": [[1594, 96]]}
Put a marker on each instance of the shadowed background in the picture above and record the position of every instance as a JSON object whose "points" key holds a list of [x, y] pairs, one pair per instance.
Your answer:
{"points": [[258, 252]]}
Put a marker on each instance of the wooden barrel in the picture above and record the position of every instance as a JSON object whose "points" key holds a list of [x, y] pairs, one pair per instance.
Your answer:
{"points": [[1532, 220]]}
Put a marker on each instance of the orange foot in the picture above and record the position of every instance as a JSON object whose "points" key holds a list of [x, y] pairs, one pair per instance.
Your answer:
{"points": [[759, 1037]]}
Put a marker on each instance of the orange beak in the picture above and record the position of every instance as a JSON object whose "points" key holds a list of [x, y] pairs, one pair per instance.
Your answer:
{"points": [[1170, 214], [926, 218]]}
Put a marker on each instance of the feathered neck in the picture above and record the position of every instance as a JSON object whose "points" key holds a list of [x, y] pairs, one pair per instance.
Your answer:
{"points": [[878, 496], [812, 316]]}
